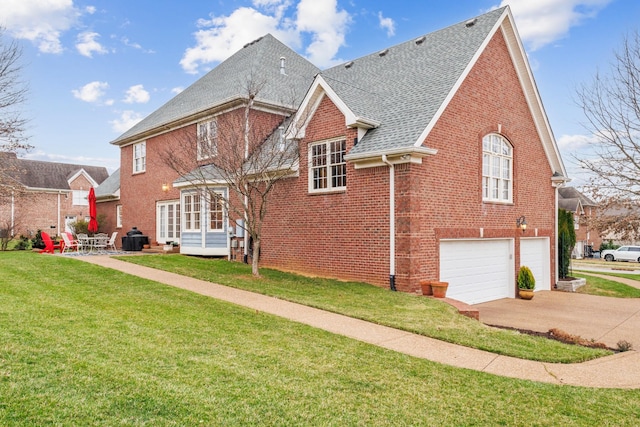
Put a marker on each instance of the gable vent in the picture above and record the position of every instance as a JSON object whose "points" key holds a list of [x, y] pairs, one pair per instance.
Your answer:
{"points": [[471, 22], [383, 52], [348, 64], [420, 40]]}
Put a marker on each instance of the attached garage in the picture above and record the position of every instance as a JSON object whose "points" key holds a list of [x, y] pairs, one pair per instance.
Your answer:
{"points": [[534, 253], [478, 270]]}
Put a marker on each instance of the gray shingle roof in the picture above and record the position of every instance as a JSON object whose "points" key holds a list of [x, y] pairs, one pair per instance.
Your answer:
{"points": [[404, 88], [109, 186], [258, 62], [572, 193], [47, 175]]}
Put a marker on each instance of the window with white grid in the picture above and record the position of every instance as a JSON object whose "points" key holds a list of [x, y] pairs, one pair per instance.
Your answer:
{"points": [[497, 165], [139, 157], [207, 139], [327, 167], [191, 211]]}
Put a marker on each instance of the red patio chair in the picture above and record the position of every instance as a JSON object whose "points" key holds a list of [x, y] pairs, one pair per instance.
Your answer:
{"points": [[49, 246]]}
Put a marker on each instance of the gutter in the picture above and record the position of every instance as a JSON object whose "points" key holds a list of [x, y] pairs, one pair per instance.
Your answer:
{"points": [[392, 222]]}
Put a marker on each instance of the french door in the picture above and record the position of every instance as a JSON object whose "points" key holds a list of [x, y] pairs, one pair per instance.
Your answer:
{"points": [[168, 221]]}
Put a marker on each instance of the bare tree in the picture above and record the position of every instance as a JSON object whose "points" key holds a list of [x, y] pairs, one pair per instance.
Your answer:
{"points": [[611, 104], [12, 127], [243, 149]]}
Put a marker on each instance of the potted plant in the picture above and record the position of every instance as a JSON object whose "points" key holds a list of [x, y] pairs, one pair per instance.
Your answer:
{"points": [[439, 289], [425, 285], [526, 282]]}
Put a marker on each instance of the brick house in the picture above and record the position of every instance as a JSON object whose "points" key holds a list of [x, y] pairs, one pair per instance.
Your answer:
{"points": [[583, 208], [48, 195], [419, 161]]}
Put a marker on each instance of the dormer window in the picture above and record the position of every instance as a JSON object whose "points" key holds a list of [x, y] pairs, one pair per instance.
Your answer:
{"points": [[207, 139]]}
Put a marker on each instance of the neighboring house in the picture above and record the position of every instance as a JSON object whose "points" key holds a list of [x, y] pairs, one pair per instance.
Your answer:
{"points": [[48, 195], [108, 204], [415, 162], [584, 209]]}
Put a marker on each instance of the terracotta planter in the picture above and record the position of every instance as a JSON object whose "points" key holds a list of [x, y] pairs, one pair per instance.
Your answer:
{"points": [[146, 246], [425, 285], [525, 293], [439, 289]]}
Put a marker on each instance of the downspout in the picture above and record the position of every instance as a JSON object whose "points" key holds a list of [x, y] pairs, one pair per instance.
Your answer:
{"points": [[392, 223], [557, 272], [58, 223]]}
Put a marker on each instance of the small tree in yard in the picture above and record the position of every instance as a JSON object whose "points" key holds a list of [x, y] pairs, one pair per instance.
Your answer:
{"points": [[566, 241], [611, 104], [12, 124], [244, 150]]}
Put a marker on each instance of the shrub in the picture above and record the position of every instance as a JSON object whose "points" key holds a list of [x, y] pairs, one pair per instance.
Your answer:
{"points": [[23, 243], [525, 278], [608, 245], [37, 241]]}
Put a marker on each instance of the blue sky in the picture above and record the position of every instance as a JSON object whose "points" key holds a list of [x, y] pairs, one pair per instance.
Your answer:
{"points": [[95, 67]]}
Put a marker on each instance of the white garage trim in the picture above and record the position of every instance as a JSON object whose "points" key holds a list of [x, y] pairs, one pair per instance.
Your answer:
{"points": [[534, 253], [478, 270]]}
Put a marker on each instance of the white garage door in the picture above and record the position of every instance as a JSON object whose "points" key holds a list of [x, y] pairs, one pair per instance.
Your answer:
{"points": [[534, 253], [477, 270]]}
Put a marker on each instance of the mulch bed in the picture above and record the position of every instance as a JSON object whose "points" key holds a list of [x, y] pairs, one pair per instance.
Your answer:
{"points": [[559, 335]]}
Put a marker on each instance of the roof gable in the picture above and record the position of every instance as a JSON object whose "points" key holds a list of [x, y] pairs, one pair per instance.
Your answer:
{"points": [[40, 175], [258, 63], [402, 91]]}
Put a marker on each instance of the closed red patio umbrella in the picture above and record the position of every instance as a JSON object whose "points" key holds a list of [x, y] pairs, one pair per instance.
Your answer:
{"points": [[93, 222]]}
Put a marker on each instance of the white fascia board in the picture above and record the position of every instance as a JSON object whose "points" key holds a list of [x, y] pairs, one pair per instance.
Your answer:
{"points": [[84, 173], [310, 103], [198, 183], [395, 156], [458, 83]]}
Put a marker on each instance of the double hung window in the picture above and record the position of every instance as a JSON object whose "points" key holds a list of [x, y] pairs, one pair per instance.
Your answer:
{"points": [[327, 167], [207, 139], [140, 157], [191, 212]]}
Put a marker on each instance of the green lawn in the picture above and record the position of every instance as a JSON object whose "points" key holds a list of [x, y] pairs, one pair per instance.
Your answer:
{"points": [[85, 346], [421, 315], [608, 288]]}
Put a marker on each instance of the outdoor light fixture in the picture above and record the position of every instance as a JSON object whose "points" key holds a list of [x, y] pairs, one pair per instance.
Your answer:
{"points": [[165, 187], [521, 223]]}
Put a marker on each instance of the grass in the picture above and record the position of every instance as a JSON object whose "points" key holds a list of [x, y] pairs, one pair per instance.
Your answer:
{"points": [[424, 316], [86, 346], [608, 288]]}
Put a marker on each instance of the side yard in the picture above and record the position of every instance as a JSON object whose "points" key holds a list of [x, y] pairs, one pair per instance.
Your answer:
{"points": [[83, 345]]}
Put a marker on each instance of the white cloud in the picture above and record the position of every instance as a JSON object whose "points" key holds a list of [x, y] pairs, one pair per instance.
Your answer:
{"points": [[137, 94], [387, 24], [87, 44], [90, 10], [328, 27], [572, 143], [542, 22], [91, 92], [177, 90], [222, 36], [126, 121], [41, 22]]}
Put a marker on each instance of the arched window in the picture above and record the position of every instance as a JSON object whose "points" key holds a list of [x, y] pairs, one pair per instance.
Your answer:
{"points": [[497, 169]]}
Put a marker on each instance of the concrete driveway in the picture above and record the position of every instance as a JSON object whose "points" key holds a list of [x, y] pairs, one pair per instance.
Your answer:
{"points": [[603, 319]]}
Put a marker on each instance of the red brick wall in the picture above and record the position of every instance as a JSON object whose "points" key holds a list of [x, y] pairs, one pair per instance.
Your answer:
{"points": [[345, 235], [36, 210], [140, 192]]}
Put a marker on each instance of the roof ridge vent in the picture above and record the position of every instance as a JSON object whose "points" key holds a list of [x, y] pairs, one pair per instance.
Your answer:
{"points": [[348, 64], [383, 52], [420, 40], [471, 22]]}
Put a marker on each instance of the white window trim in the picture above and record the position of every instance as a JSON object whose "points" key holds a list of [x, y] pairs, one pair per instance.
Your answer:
{"points": [[310, 168], [210, 140], [118, 216], [80, 197], [490, 197], [224, 212], [143, 157], [183, 213]]}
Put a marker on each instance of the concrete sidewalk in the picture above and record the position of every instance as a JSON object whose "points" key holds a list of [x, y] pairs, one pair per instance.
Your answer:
{"points": [[618, 371]]}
